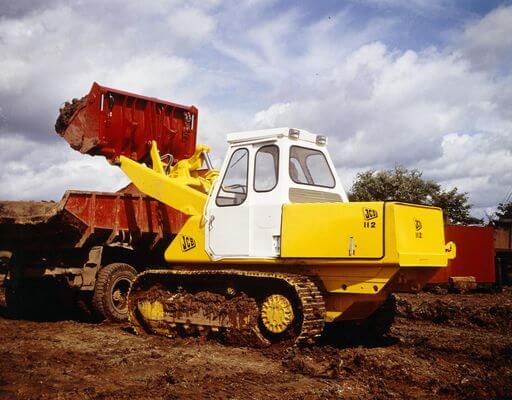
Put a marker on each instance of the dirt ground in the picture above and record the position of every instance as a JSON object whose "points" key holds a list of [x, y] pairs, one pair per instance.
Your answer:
{"points": [[441, 346]]}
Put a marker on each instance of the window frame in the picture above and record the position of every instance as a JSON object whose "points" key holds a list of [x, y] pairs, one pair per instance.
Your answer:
{"points": [[277, 171], [224, 177], [307, 183]]}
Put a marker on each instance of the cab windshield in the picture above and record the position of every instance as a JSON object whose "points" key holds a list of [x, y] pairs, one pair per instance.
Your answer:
{"points": [[310, 167]]}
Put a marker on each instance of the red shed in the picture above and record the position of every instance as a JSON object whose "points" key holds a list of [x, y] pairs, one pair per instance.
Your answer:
{"points": [[475, 254]]}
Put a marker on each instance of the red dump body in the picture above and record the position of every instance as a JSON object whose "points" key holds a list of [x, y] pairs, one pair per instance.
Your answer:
{"points": [[475, 254], [112, 123], [83, 219]]}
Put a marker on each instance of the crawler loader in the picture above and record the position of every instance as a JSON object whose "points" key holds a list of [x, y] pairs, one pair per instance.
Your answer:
{"points": [[272, 249]]}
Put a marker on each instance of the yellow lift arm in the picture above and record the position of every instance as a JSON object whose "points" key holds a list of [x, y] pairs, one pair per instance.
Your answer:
{"points": [[181, 188]]}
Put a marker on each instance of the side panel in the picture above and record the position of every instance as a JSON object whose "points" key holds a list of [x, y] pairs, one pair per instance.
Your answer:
{"points": [[333, 230], [189, 244], [419, 233]]}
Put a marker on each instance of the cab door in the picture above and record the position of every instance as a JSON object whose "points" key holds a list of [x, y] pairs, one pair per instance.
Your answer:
{"points": [[266, 202], [228, 211]]}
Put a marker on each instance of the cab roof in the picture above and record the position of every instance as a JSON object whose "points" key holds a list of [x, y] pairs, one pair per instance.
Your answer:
{"points": [[270, 134]]}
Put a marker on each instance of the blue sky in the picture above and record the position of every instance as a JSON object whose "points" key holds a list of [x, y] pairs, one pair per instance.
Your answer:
{"points": [[425, 84]]}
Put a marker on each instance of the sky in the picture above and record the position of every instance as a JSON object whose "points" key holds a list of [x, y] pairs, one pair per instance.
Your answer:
{"points": [[425, 84]]}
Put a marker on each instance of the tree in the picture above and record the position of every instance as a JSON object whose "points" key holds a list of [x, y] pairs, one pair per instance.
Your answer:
{"points": [[504, 210], [503, 214], [402, 184]]}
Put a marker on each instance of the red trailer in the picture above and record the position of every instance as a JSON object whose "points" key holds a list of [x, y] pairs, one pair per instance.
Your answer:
{"points": [[475, 255], [90, 242], [503, 246]]}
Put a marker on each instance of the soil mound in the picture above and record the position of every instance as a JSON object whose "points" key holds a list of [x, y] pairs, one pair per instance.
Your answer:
{"points": [[11, 211], [458, 310]]}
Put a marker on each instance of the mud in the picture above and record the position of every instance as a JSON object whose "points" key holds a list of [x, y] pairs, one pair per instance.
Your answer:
{"points": [[26, 211], [461, 310], [37, 225], [213, 305], [429, 353], [235, 317], [66, 112]]}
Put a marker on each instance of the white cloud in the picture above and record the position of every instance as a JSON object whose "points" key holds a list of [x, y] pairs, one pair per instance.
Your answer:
{"points": [[418, 6], [191, 23], [488, 42], [15, 74], [35, 171], [270, 117], [412, 98], [383, 107], [480, 164], [153, 73], [445, 110]]}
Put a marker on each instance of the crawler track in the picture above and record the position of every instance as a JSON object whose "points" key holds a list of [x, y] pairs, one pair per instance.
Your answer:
{"points": [[155, 285]]}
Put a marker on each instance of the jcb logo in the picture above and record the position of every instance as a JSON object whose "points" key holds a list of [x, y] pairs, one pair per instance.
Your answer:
{"points": [[187, 243], [418, 225], [369, 213]]}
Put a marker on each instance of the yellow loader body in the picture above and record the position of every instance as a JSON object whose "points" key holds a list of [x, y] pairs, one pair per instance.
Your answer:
{"points": [[357, 252]]}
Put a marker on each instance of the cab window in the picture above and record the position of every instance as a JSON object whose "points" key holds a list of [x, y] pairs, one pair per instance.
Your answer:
{"points": [[266, 168], [310, 167], [233, 189]]}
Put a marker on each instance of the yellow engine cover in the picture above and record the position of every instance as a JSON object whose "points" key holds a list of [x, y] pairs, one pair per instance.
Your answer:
{"points": [[333, 230], [388, 233]]}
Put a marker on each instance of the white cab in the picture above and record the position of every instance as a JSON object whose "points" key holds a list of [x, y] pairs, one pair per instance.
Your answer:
{"points": [[263, 170]]}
